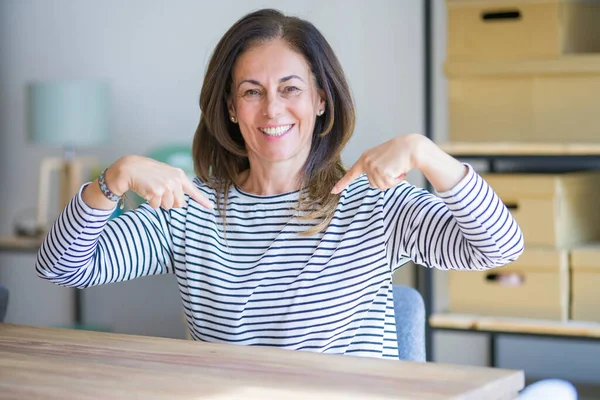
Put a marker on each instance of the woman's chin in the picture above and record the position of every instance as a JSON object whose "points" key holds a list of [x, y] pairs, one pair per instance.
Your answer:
{"points": [[278, 157]]}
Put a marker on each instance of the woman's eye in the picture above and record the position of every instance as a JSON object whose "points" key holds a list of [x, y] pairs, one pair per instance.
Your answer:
{"points": [[251, 92], [291, 89]]}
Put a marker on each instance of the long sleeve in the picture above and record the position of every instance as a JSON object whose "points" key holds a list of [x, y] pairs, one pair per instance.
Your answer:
{"points": [[467, 227], [84, 248]]}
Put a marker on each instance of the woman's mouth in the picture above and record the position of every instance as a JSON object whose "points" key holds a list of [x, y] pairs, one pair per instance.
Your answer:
{"points": [[276, 131]]}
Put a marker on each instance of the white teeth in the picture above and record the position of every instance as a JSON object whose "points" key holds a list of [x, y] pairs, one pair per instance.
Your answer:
{"points": [[277, 130]]}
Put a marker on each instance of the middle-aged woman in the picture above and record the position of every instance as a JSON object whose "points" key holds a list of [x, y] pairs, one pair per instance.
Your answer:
{"points": [[275, 243]]}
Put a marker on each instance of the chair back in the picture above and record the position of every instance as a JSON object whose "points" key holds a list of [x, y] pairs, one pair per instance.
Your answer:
{"points": [[409, 309], [3, 302]]}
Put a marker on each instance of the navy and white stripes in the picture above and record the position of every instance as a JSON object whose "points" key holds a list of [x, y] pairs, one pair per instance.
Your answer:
{"points": [[261, 283]]}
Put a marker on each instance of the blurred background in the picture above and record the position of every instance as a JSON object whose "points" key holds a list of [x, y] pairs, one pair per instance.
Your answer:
{"points": [[141, 65]]}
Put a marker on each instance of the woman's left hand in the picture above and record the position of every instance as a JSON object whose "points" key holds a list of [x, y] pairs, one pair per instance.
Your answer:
{"points": [[387, 164]]}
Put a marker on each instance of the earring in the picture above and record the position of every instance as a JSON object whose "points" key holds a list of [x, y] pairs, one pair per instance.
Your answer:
{"points": [[233, 119], [320, 112]]}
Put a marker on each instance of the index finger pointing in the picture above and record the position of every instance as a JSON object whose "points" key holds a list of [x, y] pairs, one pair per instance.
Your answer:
{"points": [[353, 173], [192, 190]]}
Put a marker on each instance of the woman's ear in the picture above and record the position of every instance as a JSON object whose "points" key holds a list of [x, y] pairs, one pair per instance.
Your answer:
{"points": [[322, 99], [230, 107]]}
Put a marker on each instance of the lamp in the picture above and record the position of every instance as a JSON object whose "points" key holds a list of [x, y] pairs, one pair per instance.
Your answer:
{"points": [[67, 114]]}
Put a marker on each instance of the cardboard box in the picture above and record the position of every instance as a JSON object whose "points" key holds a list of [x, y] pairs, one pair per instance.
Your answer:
{"points": [[585, 273], [551, 101], [556, 210], [482, 30], [534, 286]]}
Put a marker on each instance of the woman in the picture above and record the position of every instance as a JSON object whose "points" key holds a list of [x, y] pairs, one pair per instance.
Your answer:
{"points": [[274, 243]]}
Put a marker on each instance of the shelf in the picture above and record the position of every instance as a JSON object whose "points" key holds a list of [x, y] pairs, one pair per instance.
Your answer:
{"points": [[20, 244], [521, 149], [515, 325]]}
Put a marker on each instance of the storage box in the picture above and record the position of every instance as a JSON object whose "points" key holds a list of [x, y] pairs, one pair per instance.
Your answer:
{"points": [[534, 286], [556, 210], [585, 273], [550, 101], [521, 29]]}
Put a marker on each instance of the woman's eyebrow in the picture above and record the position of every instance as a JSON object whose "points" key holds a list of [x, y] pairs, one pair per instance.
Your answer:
{"points": [[252, 81], [287, 78], [282, 80]]}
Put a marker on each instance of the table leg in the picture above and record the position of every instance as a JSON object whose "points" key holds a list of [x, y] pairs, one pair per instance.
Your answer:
{"points": [[492, 350], [78, 308]]}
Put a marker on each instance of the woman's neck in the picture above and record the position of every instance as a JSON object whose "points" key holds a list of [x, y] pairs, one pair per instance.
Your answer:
{"points": [[265, 183]]}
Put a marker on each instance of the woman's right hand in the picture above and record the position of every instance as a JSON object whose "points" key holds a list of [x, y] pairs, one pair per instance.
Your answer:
{"points": [[160, 184]]}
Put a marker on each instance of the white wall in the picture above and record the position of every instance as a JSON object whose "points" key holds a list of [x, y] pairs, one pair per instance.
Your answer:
{"points": [[154, 52], [576, 361]]}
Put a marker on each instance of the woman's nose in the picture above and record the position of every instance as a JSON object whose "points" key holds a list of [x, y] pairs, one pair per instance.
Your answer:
{"points": [[273, 106]]}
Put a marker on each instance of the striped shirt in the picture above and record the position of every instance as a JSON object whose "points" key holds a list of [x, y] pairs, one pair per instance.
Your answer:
{"points": [[261, 283]]}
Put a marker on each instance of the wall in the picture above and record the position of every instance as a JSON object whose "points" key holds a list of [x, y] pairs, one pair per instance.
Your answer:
{"points": [[154, 53]]}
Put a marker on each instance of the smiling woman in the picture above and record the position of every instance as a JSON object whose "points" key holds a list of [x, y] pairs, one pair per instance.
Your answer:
{"points": [[283, 92], [298, 252]]}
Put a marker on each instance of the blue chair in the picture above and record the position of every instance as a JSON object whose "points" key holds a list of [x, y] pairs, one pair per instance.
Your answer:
{"points": [[409, 309], [3, 302]]}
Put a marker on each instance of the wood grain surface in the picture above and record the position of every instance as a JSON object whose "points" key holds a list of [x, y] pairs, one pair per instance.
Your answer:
{"points": [[515, 325], [53, 363], [16, 243], [521, 149]]}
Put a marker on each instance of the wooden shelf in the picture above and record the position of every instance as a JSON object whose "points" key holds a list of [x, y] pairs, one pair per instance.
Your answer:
{"points": [[21, 244], [521, 149], [515, 325]]}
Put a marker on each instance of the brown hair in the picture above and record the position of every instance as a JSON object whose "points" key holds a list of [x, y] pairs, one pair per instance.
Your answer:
{"points": [[219, 149]]}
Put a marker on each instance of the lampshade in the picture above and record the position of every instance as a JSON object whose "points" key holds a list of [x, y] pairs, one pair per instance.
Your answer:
{"points": [[69, 113]]}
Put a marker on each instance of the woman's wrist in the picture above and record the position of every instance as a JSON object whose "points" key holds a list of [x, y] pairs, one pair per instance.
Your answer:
{"points": [[441, 169], [114, 180], [421, 150], [116, 177]]}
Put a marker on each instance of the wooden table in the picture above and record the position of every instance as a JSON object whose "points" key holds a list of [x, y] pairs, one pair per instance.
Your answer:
{"points": [[53, 363]]}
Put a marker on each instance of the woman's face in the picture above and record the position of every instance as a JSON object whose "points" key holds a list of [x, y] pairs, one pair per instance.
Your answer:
{"points": [[276, 101]]}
